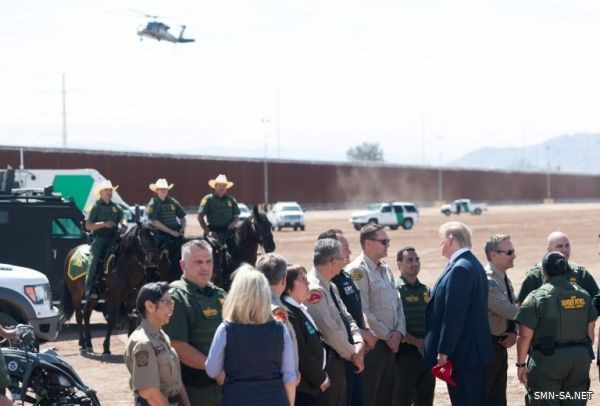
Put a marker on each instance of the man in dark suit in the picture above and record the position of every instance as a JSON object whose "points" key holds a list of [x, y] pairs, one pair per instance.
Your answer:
{"points": [[457, 326]]}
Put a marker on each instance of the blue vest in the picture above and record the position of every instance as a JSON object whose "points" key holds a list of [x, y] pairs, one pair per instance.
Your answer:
{"points": [[253, 356]]}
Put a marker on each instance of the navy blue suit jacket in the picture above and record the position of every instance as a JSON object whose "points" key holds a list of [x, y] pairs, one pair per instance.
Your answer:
{"points": [[457, 316]]}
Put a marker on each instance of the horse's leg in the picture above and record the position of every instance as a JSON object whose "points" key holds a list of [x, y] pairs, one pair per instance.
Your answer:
{"points": [[79, 319], [87, 314], [112, 307]]}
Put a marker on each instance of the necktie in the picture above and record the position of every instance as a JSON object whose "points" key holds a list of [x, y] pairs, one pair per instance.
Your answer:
{"points": [[337, 305], [511, 323]]}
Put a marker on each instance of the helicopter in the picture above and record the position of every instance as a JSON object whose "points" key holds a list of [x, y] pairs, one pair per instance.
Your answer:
{"points": [[160, 31]]}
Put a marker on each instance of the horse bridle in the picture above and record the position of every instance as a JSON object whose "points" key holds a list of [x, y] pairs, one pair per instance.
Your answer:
{"points": [[144, 265]]}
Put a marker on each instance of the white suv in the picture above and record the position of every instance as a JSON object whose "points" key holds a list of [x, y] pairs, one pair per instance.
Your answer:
{"points": [[394, 215], [25, 297], [287, 214]]}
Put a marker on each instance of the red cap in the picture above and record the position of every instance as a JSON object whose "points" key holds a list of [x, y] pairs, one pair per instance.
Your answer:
{"points": [[444, 373]]}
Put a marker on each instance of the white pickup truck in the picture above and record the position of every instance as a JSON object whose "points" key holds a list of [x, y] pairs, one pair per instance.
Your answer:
{"points": [[25, 297], [463, 206], [393, 215]]}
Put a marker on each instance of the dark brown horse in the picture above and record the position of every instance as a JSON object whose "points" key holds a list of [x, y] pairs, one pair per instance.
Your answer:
{"points": [[136, 257], [255, 231]]}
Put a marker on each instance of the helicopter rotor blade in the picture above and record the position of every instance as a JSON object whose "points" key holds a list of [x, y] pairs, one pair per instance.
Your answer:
{"points": [[144, 14]]}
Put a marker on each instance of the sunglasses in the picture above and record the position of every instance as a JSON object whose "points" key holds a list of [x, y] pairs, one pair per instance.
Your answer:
{"points": [[507, 252], [385, 241]]}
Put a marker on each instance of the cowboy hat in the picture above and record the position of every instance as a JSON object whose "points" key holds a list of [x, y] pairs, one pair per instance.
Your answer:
{"points": [[221, 179], [106, 184], [161, 184]]}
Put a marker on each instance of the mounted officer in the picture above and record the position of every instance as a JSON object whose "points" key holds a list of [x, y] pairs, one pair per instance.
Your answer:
{"points": [[103, 222]]}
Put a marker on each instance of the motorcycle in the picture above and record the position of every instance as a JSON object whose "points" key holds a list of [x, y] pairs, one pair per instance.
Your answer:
{"points": [[43, 378]]}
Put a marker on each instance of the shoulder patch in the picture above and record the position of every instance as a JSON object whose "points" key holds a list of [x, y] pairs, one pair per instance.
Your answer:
{"points": [[356, 275], [203, 201], [314, 296], [141, 358], [280, 314]]}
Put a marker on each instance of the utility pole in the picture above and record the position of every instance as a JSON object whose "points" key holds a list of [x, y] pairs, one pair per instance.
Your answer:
{"points": [[440, 176], [277, 127], [265, 122], [64, 112]]}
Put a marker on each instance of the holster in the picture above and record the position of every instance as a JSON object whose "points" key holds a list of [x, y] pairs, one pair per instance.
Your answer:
{"points": [[547, 345]]}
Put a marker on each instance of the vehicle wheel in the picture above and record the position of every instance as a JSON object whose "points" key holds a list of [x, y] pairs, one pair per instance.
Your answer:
{"points": [[279, 228], [302, 227], [295, 228], [7, 322], [407, 225], [447, 212], [357, 227], [477, 212], [373, 221], [394, 227]]}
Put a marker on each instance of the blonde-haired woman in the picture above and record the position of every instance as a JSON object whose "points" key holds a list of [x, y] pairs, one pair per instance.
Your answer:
{"points": [[251, 348]]}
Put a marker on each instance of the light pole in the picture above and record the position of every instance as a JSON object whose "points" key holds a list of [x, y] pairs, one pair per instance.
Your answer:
{"points": [[265, 122], [440, 177], [548, 196]]}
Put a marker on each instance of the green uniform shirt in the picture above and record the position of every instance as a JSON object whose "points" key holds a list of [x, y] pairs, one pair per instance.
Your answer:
{"points": [[105, 212], [219, 211], [576, 273], [197, 313], [414, 300], [166, 211], [558, 309]]}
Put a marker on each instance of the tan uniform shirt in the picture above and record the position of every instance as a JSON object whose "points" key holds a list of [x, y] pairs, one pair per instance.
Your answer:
{"points": [[500, 310], [329, 321], [280, 313], [151, 361], [381, 302]]}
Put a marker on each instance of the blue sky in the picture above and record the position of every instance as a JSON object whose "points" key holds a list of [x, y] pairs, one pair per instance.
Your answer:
{"points": [[423, 78]]}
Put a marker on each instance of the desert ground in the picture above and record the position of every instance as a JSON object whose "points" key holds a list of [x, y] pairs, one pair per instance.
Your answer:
{"points": [[527, 224]]}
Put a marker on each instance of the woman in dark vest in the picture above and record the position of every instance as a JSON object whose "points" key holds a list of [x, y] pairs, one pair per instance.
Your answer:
{"points": [[251, 348], [311, 352]]}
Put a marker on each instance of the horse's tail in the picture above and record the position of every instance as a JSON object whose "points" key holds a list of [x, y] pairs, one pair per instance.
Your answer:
{"points": [[66, 304]]}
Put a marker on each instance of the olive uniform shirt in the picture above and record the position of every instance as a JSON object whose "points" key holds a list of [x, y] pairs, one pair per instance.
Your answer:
{"points": [[166, 211], [323, 310], [565, 319], [576, 273], [219, 211], [151, 361], [501, 312], [105, 212], [414, 299], [197, 313], [381, 302]]}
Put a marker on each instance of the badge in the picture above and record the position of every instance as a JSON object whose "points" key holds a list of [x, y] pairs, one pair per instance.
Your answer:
{"points": [[209, 312], [426, 297], [141, 358], [221, 301], [573, 280], [114, 209], [150, 209], [12, 366], [349, 289], [309, 327], [173, 207], [280, 314], [229, 203], [356, 275], [314, 296]]}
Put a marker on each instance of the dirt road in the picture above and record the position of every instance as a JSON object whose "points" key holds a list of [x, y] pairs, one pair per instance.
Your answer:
{"points": [[528, 225]]}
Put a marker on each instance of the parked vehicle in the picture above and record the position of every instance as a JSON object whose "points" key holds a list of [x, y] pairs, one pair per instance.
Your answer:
{"points": [[463, 206], [287, 214], [393, 215], [244, 212], [43, 378], [25, 297]]}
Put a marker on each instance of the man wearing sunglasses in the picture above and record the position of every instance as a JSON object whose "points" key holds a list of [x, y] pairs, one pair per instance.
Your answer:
{"points": [[502, 311], [414, 383], [383, 310], [576, 274]]}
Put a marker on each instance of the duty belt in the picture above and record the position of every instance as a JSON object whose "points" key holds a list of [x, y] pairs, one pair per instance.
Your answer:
{"points": [[140, 401], [563, 345]]}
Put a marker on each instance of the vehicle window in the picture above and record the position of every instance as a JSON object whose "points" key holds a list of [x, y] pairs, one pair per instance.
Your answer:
{"points": [[290, 208], [386, 209], [398, 209], [411, 209], [374, 207], [3, 217], [65, 228]]}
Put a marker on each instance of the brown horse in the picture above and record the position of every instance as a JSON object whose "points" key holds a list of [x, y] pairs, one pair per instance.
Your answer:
{"points": [[254, 231], [136, 256]]}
